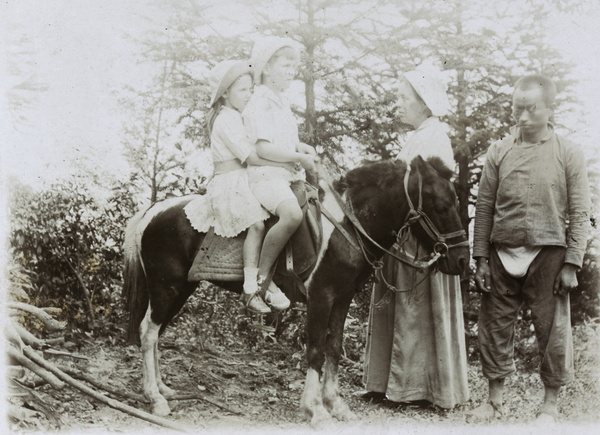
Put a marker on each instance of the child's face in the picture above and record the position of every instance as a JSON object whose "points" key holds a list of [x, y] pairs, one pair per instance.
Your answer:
{"points": [[280, 72], [239, 93]]}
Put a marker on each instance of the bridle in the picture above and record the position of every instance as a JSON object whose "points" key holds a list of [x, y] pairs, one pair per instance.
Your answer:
{"points": [[441, 245]]}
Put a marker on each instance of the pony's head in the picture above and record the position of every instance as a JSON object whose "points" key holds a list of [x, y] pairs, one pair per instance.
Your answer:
{"points": [[440, 206], [378, 195]]}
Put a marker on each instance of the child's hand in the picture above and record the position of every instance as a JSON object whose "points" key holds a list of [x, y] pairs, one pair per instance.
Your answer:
{"points": [[291, 166], [308, 162], [306, 149]]}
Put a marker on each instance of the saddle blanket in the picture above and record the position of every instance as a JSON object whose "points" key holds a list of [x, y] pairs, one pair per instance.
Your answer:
{"points": [[219, 259]]}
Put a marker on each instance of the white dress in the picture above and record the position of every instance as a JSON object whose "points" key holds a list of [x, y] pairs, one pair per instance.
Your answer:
{"points": [[228, 205]]}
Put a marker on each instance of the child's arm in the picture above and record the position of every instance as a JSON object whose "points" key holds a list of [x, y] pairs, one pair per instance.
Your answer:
{"points": [[305, 149], [270, 151], [254, 159]]}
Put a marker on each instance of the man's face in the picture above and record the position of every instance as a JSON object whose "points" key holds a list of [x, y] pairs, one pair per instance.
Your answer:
{"points": [[530, 111]]}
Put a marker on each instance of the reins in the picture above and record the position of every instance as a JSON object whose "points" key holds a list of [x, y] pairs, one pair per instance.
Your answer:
{"points": [[415, 215]]}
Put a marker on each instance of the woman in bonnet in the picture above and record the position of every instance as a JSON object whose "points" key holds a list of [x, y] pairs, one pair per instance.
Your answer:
{"points": [[416, 344]]}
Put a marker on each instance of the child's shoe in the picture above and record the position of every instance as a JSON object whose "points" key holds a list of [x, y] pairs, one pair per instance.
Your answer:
{"points": [[275, 298], [254, 303]]}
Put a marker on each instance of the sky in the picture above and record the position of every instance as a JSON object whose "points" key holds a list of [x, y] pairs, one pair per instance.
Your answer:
{"points": [[80, 52]]}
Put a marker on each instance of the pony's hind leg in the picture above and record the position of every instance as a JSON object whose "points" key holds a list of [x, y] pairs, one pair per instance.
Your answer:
{"points": [[167, 392], [150, 384], [332, 400]]}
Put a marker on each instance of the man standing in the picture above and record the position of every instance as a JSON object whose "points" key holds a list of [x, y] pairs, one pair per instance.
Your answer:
{"points": [[530, 235]]}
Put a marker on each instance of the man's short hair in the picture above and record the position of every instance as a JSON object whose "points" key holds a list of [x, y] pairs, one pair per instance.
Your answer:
{"points": [[537, 81]]}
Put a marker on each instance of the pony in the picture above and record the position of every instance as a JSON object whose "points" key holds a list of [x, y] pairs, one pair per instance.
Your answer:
{"points": [[378, 205]]}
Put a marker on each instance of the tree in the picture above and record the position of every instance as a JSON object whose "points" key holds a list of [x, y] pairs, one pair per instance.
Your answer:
{"points": [[346, 101], [483, 49], [159, 144]]}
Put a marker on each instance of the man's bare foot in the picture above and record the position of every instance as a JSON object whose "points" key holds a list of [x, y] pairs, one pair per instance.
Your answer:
{"points": [[546, 415], [484, 413]]}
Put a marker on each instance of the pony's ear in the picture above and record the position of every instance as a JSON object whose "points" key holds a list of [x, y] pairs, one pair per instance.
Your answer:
{"points": [[341, 184], [419, 164], [441, 168]]}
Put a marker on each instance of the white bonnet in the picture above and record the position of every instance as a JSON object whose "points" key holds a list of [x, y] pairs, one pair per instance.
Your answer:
{"points": [[428, 84], [263, 51], [224, 74]]}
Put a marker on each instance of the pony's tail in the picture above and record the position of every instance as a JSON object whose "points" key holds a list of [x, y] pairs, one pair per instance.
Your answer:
{"points": [[135, 292]]}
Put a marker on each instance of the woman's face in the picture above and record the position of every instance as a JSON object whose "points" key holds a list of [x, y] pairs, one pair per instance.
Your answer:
{"points": [[411, 109], [239, 93]]}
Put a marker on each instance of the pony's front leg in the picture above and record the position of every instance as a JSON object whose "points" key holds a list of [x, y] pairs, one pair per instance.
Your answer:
{"points": [[333, 350], [149, 338], [311, 403]]}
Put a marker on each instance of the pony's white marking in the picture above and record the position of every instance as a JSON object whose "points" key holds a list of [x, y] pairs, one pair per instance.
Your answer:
{"points": [[332, 206], [331, 393], [132, 245], [151, 377], [311, 402]]}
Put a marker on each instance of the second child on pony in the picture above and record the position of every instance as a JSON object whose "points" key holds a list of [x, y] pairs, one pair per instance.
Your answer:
{"points": [[272, 129]]}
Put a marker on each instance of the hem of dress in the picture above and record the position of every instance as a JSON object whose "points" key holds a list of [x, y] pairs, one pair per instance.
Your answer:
{"points": [[221, 234], [425, 395]]}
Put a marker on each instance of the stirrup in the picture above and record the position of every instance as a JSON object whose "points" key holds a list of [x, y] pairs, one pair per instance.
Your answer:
{"points": [[254, 303]]}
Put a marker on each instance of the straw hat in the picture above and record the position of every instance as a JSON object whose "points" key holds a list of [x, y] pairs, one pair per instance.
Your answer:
{"points": [[432, 90], [263, 51], [224, 74]]}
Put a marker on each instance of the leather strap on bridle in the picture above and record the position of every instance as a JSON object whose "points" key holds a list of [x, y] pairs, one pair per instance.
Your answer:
{"points": [[418, 215], [415, 215]]}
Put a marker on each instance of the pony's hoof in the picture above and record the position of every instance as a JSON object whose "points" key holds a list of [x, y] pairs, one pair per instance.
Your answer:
{"points": [[167, 392], [344, 414], [316, 415], [341, 411], [161, 408]]}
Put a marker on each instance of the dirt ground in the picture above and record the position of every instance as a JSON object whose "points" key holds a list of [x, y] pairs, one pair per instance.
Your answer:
{"points": [[259, 391]]}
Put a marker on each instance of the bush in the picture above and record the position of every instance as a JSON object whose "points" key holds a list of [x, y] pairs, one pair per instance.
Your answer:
{"points": [[69, 241]]}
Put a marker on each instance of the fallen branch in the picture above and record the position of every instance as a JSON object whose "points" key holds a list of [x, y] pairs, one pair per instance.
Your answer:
{"points": [[140, 398], [52, 310], [53, 341], [34, 367], [27, 337], [198, 397], [49, 322], [104, 386], [12, 335], [63, 353], [29, 352]]}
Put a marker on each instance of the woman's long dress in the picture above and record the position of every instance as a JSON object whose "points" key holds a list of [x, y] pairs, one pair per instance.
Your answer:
{"points": [[416, 343]]}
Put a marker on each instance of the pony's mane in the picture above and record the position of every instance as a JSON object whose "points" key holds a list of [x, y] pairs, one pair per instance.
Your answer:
{"points": [[373, 174], [441, 168], [385, 172]]}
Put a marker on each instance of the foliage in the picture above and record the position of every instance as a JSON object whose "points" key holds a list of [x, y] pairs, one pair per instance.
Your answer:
{"points": [[69, 242]]}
